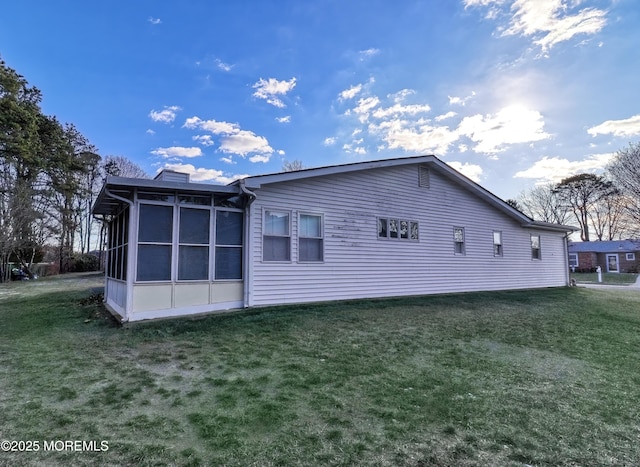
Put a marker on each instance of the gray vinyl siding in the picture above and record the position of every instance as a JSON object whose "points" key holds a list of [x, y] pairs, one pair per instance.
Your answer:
{"points": [[358, 265]]}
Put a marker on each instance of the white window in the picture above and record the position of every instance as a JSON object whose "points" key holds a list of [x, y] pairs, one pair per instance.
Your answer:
{"points": [[193, 248], [229, 232], [155, 235], [276, 242], [497, 243], [535, 247], [400, 229], [631, 257], [458, 240], [573, 260], [310, 238], [117, 246]]}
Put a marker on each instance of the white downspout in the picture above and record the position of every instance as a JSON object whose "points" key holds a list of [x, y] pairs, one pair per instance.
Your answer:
{"points": [[248, 246], [130, 240]]}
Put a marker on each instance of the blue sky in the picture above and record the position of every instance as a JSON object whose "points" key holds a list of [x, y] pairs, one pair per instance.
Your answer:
{"points": [[512, 93]]}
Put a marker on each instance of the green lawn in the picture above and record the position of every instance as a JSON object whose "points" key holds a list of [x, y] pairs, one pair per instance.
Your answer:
{"points": [[537, 377]]}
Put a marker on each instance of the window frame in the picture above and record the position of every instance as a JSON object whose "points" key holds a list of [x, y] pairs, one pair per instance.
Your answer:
{"points": [[287, 236], [576, 261], [630, 256], [215, 245], [498, 249], [305, 237], [411, 225], [537, 256], [461, 244], [172, 249], [179, 243]]}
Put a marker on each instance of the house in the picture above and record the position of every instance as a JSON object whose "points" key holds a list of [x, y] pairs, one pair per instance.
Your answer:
{"points": [[611, 256], [398, 227]]}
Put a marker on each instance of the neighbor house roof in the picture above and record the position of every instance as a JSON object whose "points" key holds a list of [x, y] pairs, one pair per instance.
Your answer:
{"points": [[614, 246]]}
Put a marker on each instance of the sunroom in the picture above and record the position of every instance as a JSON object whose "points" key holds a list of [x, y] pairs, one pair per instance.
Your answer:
{"points": [[174, 247]]}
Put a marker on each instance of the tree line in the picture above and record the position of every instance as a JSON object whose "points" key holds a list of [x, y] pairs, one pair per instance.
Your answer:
{"points": [[605, 207], [50, 175]]}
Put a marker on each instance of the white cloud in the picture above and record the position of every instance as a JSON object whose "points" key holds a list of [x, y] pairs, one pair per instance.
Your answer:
{"points": [[223, 66], [271, 88], [205, 140], [245, 142], [511, 125], [260, 158], [228, 160], [150, 131], [203, 174], [554, 169], [365, 105], [364, 54], [547, 22], [456, 100], [450, 114], [350, 93], [473, 171], [401, 95], [626, 127], [418, 137], [330, 141], [167, 115], [153, 20], [177, 151], [286, 119], [398, 109], [214, 126]]}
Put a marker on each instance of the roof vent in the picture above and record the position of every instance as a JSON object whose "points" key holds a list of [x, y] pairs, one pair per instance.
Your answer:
{"points": [[423, 176], [172, 176]]}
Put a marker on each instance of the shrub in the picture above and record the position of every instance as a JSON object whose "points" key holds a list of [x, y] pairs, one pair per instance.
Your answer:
{"points": [[84, 263]]}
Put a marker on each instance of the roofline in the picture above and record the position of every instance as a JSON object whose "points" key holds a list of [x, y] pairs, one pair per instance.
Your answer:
{"points": [[114, 183]]}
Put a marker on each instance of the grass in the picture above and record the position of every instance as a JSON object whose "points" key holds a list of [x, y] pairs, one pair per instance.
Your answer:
{"points": [[609, 278], [535, 377]]}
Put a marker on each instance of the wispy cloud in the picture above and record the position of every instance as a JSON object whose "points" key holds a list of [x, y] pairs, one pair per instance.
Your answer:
{"points": [[153, 20], [233, 140], [473, 171], [286, 119], [547, 22], [203, 174], [177, 151], [368, 53], [511, 125], [554, 169], [167, 115], [270, 89], [350, 93], [626, 127], [205, 140], [223, 66]]}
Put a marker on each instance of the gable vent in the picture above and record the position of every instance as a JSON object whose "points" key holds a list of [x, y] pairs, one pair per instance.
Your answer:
{"points": [[423, 176]]}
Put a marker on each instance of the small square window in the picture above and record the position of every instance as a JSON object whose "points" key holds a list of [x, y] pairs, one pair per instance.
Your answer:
{"points": [[631, 256]]}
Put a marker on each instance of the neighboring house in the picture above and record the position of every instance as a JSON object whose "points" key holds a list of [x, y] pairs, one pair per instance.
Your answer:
{"points": [[611, 256], [397, 227]]}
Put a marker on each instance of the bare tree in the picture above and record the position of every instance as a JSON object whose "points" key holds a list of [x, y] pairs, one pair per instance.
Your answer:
{"points": [[624, 170], [292, 166], [542, 203]]}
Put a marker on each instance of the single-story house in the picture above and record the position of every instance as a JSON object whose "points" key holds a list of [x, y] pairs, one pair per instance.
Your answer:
{"points": [[397, 227], [611, 256]]}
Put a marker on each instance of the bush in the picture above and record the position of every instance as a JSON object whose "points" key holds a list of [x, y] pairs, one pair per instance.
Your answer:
{"points": [[84, 263]]}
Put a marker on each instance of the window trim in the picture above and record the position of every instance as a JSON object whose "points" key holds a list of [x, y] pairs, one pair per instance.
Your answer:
{"points": [[537, 257], [499, 252], [463, 243], [180, 206], [321, 237], [172, 244], [399, 220], [214, 245], [630, 256], [288, 236]]}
